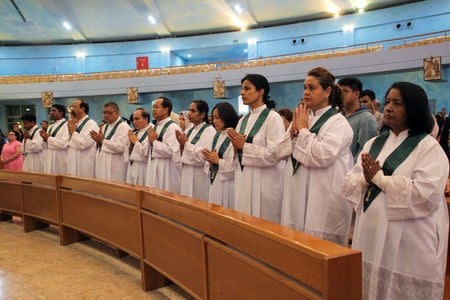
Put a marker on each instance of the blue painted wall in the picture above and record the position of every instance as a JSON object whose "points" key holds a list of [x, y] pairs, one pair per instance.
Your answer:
{"points": [[285, 94], [426, 16]]}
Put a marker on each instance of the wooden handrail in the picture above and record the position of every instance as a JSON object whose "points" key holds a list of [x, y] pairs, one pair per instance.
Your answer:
{"points": [[210, 251]]}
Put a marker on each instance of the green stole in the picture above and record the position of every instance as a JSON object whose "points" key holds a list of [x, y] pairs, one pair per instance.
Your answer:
{"points": [[111, 133], [161, 134], [256, 127], [53, 134], [392, 161], [80, 127], [198, 135], [34, 131], [315, 129], [213, 168], [143, 137]]}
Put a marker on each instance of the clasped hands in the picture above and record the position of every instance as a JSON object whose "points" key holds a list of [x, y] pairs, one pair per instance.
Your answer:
{"points": [[370, 167]]}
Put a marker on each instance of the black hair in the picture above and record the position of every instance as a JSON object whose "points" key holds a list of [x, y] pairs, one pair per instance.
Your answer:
{"points": [[166, 103], [261, 82], [352, 82], [61, 109], [286, 113], [144, 114], [368, 93], [202, 107], [114, 106], [416, 106], [227, 114], [43, 121], [326, 79], [29, 117], [85, 105]]}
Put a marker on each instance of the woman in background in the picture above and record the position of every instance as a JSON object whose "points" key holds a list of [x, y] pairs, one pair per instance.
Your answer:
{"points": [[11, 156]]}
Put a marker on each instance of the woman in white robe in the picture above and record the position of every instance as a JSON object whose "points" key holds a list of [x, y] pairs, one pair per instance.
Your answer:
{"points": [[318, 144], [258, 187], [194, 181], [219, 156], [403, 231]]}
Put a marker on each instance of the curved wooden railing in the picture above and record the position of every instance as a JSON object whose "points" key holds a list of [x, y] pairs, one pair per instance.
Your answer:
{"points": [[371, 47], [210, 251]]}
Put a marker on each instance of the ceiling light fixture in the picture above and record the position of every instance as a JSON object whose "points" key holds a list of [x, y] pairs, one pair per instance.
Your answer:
{"points": [[361, 10], [151, 19], [244, 28], [333, 7], [348, 27], [238, 9], [81, 54], [189, 55], [67, 25], [165, 49], [245, 50], [336, 15], [360, 4]]}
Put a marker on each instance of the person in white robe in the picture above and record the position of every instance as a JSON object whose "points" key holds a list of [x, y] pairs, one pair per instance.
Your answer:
{"points": [[82, 148], [32, 145], [162, 170], [219, 156], [258, 188], [57, 140], [194, 181], [317, 146], [185, 125], [397, 190], [112, 143], [138, 147]]}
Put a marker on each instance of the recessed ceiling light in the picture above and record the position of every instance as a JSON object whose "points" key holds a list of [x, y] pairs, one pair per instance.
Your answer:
{"points": [[336, 15], [333, 7], [151, 19], [238, 8], [165, 49], [245, 50], [81, 54], [67, 25], [361, 10], [189, 55], [360, 4], [244, 28]]}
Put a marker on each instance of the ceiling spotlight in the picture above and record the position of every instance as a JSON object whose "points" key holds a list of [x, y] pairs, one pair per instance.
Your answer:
{"points": [[348, 27], [360, 3], [244, 28], [333, 8], [336, 15], [165, 49], [238, 8], [361, 10], [67, 25], [245, 50], [151, 19], [81, 54], [189, 55]]}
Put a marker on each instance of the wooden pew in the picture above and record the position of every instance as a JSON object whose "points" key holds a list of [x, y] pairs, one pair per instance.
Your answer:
{"points": [[216, 253]]}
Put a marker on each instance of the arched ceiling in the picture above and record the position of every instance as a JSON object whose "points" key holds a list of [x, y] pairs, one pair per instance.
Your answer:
{"points": [[27, 22]]}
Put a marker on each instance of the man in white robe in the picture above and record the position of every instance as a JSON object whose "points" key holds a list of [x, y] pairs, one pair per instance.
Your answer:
{"points": [[138, 148], [194, 181], [112, 142], [57, 140], [82, 148], [162, 170], [32, 145]]}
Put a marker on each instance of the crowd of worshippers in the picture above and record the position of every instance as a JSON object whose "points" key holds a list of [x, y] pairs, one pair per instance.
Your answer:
{"points": [[311, 169]]}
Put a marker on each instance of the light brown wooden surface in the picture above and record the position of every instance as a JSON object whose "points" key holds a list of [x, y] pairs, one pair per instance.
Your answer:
{"points": [[210, 251]]}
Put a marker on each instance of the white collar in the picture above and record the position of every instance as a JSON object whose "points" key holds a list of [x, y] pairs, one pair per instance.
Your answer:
{"points": [[258, 109], [162, 122], [321, 111]]}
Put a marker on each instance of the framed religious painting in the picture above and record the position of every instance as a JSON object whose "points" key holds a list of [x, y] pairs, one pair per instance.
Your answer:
{"points": [[432, 68]]}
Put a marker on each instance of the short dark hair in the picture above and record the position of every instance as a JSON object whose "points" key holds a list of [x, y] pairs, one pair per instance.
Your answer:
{"points": [[166, 103], [30, 117], [286, 113], [61, 109], [368, 93], [144, 114], [84, 105], [416, 106], [227, 113], [352, 82], [202, 107], [261, 82], [43, 121], [114, 106]]}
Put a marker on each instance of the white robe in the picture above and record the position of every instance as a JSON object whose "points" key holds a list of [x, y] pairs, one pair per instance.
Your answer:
{"points": [[312, 200], [162, 171], [194, 181], [137, 171], [33, 149], [258, 189], [56, 150], [221, 191], [82, 151], [111, 163], [403, 234]]}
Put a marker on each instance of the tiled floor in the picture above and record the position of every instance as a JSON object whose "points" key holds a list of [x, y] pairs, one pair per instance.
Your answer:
{"points": [[34, 266]]}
